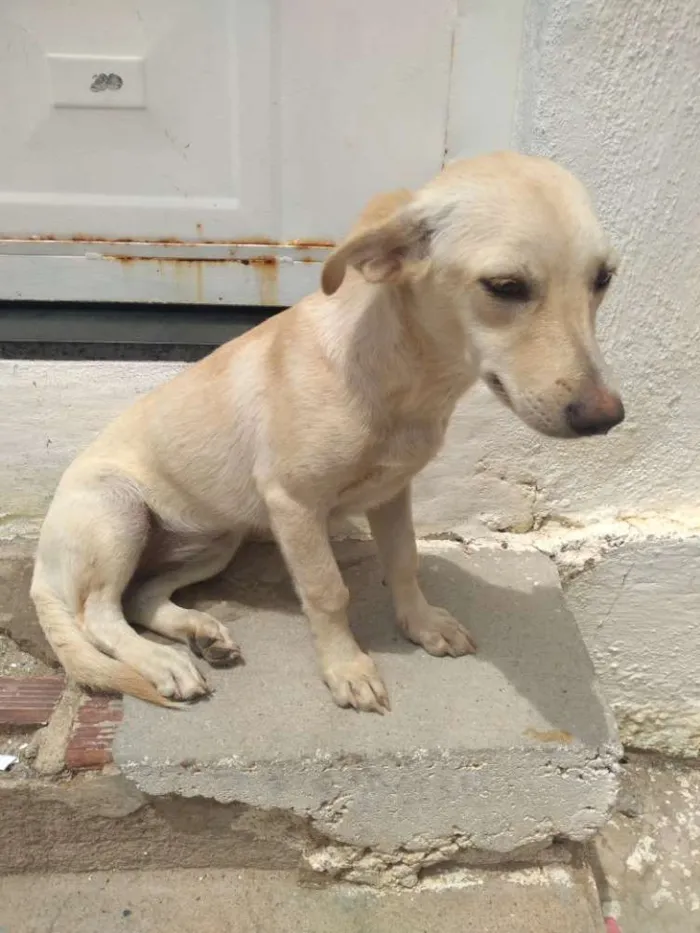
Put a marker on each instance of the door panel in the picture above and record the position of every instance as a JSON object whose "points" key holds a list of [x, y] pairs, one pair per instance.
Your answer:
{"points": [[128, 120], [363, 95]]}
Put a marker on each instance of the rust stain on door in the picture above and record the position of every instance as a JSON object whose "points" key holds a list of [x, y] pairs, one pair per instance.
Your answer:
{"points": [[190, 274], [169, 241], [267, 271]]}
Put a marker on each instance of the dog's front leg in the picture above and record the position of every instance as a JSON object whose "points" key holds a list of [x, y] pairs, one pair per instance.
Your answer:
{"points": [[302, 535], [433, 628]]}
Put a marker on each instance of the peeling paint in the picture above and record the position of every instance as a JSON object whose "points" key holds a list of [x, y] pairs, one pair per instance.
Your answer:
{"points": [[447, 863], [643, 855], [192, 272], [578, 543], [673, 730]]}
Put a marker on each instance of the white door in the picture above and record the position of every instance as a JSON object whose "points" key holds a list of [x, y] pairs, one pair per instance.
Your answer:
{"points": [[214, 150]]}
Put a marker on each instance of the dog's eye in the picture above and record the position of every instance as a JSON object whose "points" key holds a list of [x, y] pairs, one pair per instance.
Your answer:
{"points": [[603, 279], [507, 289]]}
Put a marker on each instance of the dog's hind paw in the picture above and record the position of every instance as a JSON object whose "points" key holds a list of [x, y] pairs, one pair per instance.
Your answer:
{"points": [[217, 651], [438, 633]]}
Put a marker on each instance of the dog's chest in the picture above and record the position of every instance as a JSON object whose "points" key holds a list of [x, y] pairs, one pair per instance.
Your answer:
{"points": [[390, 464]]}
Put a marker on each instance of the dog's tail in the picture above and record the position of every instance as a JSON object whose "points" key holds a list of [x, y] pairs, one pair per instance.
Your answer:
{"points": [[83, 662]]}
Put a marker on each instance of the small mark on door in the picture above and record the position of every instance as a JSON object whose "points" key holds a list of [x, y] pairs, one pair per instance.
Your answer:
{"points": [[106, 82]]}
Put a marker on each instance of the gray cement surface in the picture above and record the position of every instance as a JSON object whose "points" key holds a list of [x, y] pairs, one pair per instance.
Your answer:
{"points": [[537, 901], [19, 627], [506, 749], [17, 663]]}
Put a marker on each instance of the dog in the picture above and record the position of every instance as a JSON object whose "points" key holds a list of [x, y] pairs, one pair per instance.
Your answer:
{"points": [[493, 271]]}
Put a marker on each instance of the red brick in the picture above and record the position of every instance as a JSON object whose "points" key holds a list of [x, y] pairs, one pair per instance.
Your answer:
{"points": [[88, 759], [90, 744], [97, 701], [99, 715], [28, 701]]}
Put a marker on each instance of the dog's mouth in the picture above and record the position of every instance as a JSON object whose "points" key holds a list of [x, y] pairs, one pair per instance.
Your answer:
{"points": [[497, 387]]}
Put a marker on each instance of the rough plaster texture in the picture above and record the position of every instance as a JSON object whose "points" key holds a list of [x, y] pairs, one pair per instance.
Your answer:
{"points": [[492, 753], [647, 859], [529, 901], [51, 411], [612, 90], [635, 598], [18, 619]]}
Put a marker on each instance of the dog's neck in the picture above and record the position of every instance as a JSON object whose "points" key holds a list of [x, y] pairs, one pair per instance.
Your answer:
{"points": [[401, 349]]}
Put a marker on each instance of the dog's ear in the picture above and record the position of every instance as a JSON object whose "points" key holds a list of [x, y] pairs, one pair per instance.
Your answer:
{"points": [[381, 250]]}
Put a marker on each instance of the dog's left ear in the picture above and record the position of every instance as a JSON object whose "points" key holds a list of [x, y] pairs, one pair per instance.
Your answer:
{"points": [[380, 252]]}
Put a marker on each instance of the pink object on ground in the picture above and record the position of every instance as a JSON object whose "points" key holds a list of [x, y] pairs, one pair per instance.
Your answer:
{"points": [[612, 926]]}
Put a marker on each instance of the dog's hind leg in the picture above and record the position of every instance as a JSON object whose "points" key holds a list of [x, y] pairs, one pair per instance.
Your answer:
{"points": [[91, 545], [149, 603]]}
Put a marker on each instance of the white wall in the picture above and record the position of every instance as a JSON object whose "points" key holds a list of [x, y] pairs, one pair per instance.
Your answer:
{"points": [[638, 612], [50, 411], [611, 88]]}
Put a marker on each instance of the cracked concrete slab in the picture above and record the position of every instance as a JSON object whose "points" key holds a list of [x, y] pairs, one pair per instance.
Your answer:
{"points": [[495, 753]]}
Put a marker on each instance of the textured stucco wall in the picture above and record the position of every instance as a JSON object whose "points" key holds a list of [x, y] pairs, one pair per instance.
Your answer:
{"points": [[612, 90], [50, 411], [632, 585], [638, 611]]}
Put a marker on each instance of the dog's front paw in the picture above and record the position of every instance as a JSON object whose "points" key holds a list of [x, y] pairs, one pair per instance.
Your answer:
{"points": [[438, 632], [357, 683]]}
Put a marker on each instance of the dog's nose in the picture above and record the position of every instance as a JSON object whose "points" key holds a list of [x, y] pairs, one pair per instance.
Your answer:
{"points": [[596, 415]]}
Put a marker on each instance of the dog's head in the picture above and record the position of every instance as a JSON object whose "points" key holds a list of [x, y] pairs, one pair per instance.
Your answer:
{"points": [[511, 246]]}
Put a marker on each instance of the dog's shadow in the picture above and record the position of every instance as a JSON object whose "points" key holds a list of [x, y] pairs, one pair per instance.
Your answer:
{"points": [[526, 631]]}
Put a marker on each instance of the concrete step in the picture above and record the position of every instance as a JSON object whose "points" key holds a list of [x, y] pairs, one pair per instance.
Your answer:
{"points": [[485, 758], [533, 901]]}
